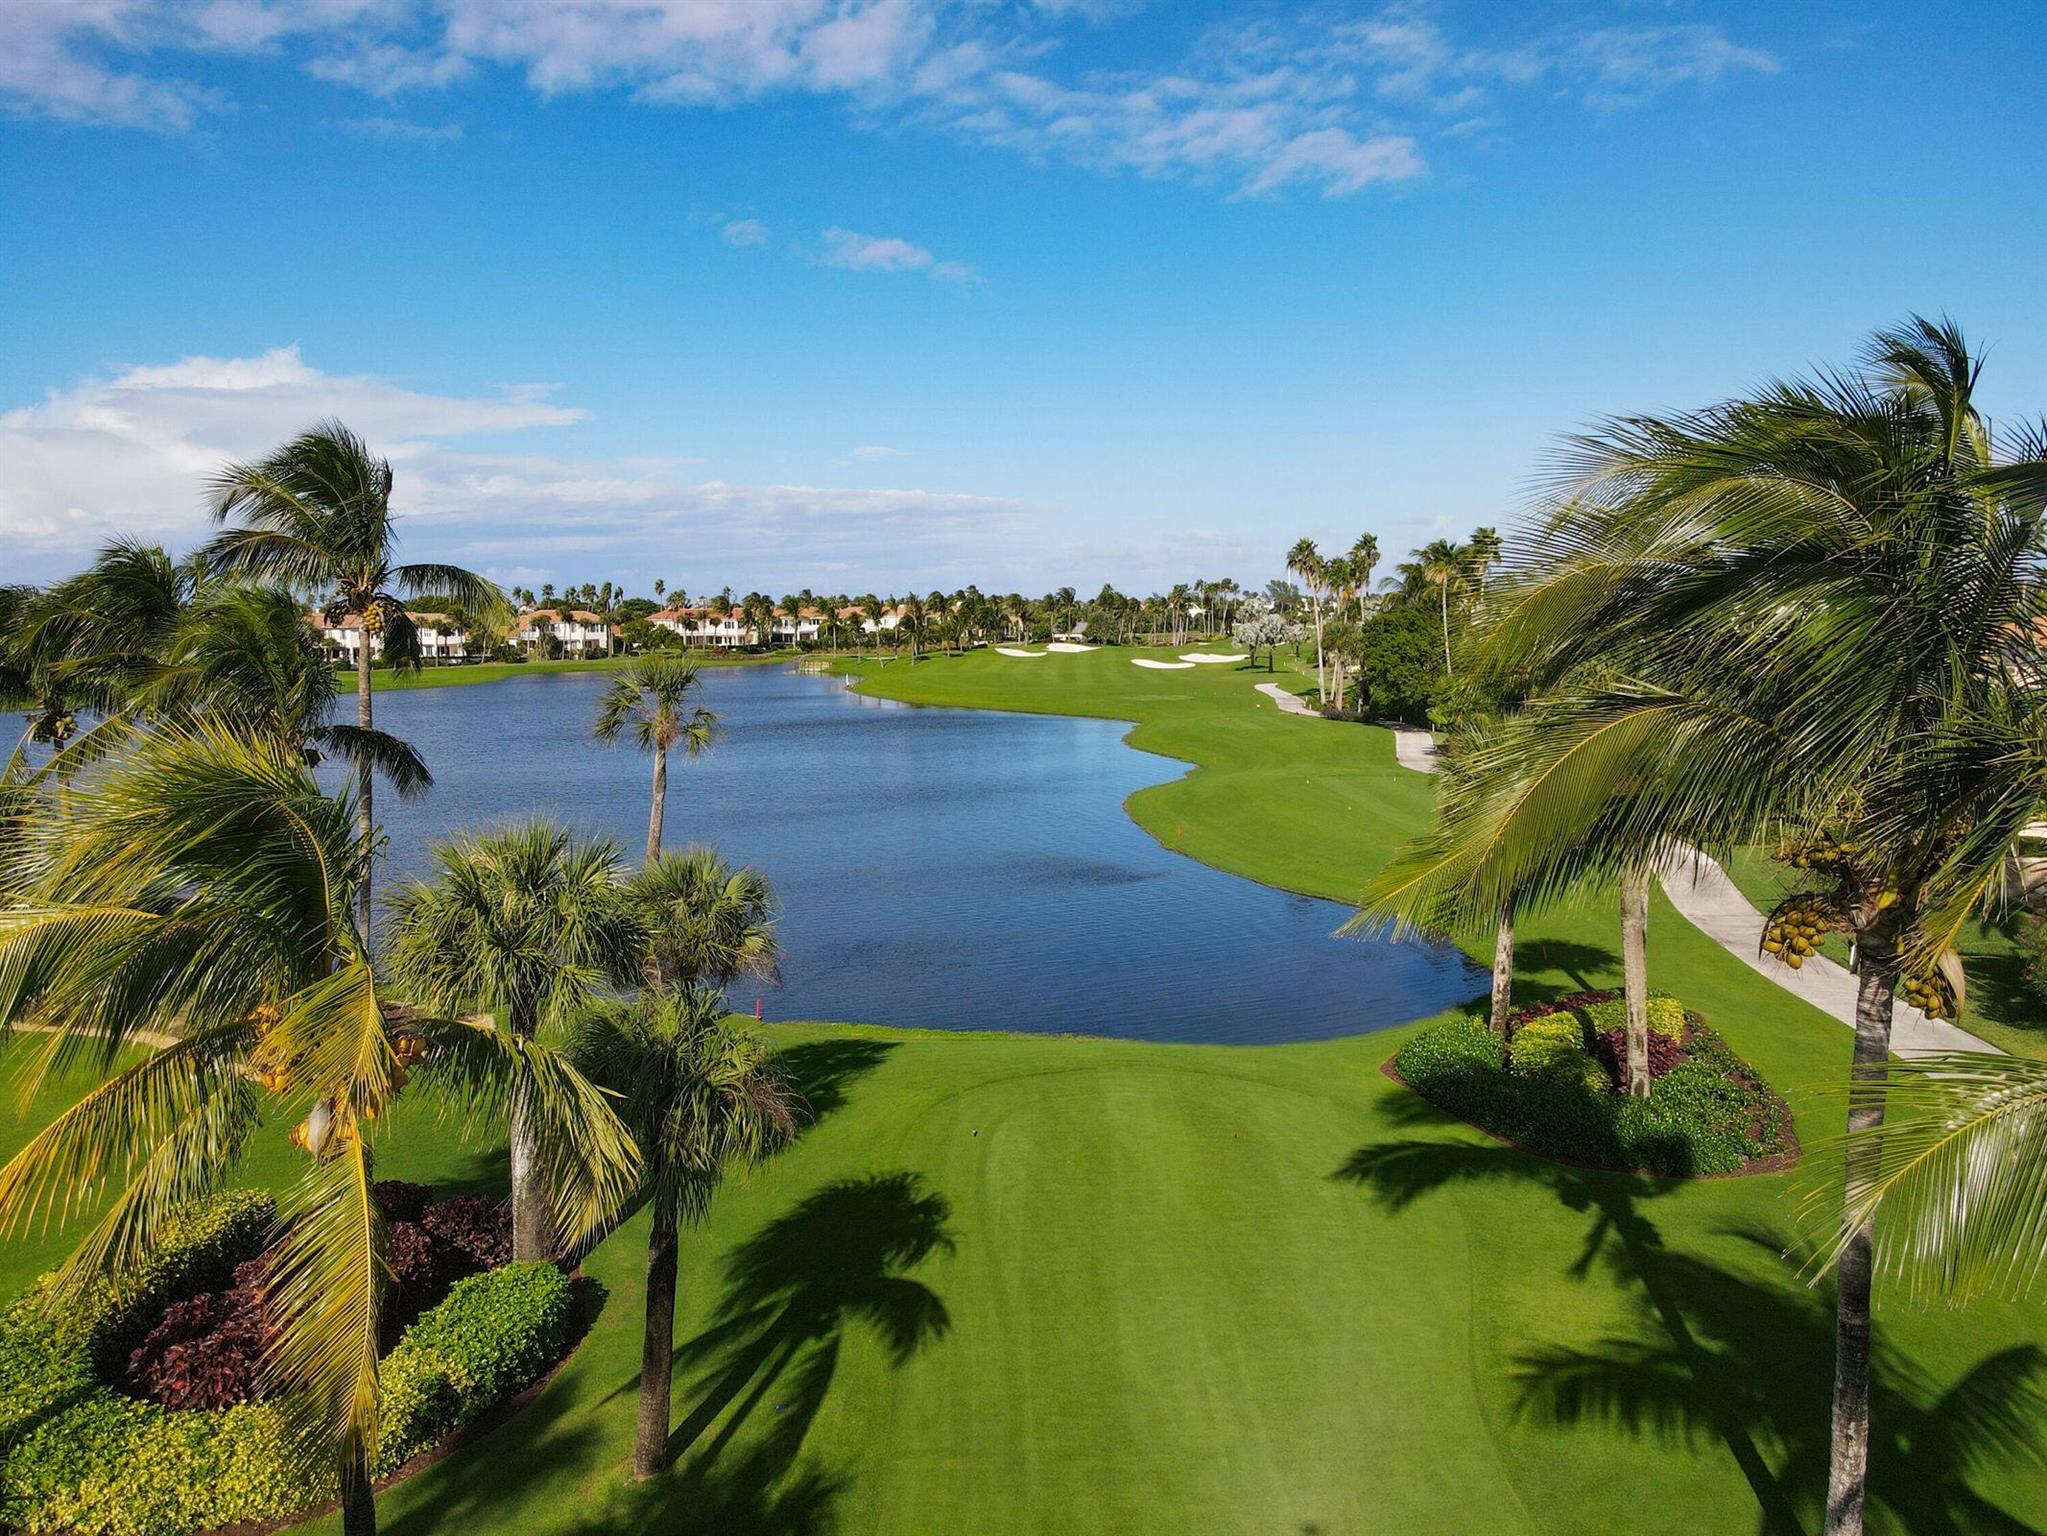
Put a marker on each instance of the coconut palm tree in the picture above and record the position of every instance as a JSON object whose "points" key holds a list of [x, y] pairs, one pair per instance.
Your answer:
{"points": [[197, 901], [1811, 613], [914, 623], [1364, 559], [528, 923], [315, 516], [701, 1098], [656, 700], [1439, 564]]}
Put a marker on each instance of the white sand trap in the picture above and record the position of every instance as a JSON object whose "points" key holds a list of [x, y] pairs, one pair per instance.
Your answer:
{"points": [[1004, 650], [1068, 647], [1211, 656], [1162, 666]]}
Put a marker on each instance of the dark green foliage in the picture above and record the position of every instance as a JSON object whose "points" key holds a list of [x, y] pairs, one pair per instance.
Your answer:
{"points": [[78, 1456], [494, 1334], [1396, 659], [1708, 1114]]}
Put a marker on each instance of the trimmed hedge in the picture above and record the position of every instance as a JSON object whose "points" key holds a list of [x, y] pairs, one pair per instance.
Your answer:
{"points": [[1708, 1114], [1553, 1049], [76, 1455]]}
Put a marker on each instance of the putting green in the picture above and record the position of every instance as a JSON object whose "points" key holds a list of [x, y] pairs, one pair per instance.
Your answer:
{"points": [[1010, 1285]]}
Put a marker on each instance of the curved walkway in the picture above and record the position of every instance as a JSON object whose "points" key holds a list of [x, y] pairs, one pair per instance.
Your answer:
{"points": [[1707, 899], [1289, 703]]}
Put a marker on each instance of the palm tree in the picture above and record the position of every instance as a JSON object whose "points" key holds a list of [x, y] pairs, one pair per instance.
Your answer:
{"points": [[701, 1097], [1483, 553], [245, 655], [1364, 559], [1808, 613], [656, 700], [915, 619], [316, 517], [707, 923], [527, 922], [1306, 562], [1439, 564], [198, 898]]}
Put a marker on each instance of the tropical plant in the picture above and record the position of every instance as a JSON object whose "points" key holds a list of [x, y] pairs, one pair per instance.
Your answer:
{"points": [[196, 900], [529, 923], [702, 1098], [706, 922], [1439, 565], [1305, 562], [657, 701], [1806, 615], [315, 517]]}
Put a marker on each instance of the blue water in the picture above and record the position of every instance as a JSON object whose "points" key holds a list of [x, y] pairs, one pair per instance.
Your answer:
{"points": [[953, 869]]}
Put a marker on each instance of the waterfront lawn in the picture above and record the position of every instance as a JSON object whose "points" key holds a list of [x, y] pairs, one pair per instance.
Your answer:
{"points": [[384, 680], [1017, 1285]]}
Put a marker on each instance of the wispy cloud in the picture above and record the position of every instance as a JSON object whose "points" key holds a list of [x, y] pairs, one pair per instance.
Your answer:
{"points": [[1283, 103], [129, 454], [872, 451], [743, 232], [889, 253], [399, 130]]}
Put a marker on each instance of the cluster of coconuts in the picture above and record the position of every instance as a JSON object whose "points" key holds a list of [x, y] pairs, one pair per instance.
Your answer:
{"points": [[324, 1126], [1797, 927], [1930, 994]]}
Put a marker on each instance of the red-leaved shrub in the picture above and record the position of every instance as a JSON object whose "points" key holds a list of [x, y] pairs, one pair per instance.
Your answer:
{"points": [[206, 1351], [478, 1227], [400, 1201], [1611, 1048], [1562, 1004]]}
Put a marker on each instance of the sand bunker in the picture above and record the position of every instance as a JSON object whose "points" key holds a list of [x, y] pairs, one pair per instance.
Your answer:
{"points": [[1210, 656], [1162, 666], [1004, 650], [1068, 646]]}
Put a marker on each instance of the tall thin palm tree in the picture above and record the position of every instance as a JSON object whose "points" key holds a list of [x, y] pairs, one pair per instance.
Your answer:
{"points": [[1306, 562], [702, 1098], [315, 516], [657, 700], [1812, 611], [530, 923], [1439, 564], [196, 901]]}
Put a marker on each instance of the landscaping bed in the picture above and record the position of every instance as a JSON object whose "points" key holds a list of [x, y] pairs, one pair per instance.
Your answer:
{"points": [[139, 1408], [1554, 1088]]}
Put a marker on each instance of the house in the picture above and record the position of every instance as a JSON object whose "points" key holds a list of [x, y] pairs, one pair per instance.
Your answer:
{"points": [[799, 628], [440, 639], [715, 628], [581, 632]]}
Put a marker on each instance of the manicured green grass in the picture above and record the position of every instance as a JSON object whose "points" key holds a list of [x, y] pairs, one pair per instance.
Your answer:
{"points": [[384, 680], [2001, 1009], [1018, 1285]]}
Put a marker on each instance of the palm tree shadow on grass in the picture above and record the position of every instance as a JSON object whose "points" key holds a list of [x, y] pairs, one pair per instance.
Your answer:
{"points": [[842, 1257], [1715, 1354], [1579, 962], [822, 1070]]}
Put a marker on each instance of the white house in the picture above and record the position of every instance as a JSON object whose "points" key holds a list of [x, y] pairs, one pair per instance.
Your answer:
{"points": [[717, 628], [798, 628], [580, 632], [439, 638]]}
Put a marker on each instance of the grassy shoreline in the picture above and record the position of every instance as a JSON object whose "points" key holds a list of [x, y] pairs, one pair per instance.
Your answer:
{"points": [[383, 680], [1027, 1284]]}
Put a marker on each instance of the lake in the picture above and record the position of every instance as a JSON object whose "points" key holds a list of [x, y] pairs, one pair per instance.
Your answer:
{"points": [[944, 868]]}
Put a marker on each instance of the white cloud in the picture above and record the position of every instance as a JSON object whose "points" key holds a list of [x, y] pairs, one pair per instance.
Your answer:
{"points": [[889, 253], [1289, 102], [871, 451], [743, 232], [399, 130], [131, 455]]}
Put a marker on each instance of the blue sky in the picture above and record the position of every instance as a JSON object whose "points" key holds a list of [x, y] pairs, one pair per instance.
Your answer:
{"points": [[865, 294]]}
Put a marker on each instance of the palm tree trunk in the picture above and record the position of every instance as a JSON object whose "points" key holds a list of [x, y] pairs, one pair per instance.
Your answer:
{"points": [[660, 806], [657, 1347], [1321, 682], [1635, 975], [1503, 969], [1848, 1456], [1444, 589], [365, 820], [358, 1502], [532, 1240]]}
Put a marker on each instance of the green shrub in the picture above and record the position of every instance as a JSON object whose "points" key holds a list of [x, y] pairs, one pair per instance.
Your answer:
{"points": [[77, 1456], [1666, 1015], [1708, 1114], [1554, 1049], [495, 1333]]}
